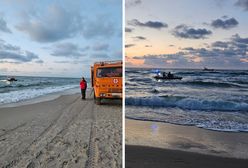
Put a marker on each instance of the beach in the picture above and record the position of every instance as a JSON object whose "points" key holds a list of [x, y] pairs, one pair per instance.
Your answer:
{"points": [[63, 132], [156, 144]]}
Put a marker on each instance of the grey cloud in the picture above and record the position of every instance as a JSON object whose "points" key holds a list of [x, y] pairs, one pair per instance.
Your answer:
{"points": [[22, 57], [100, 47], [67, 50], [130, 3], [128, 30], [129, 45], [99, 55], [238, 39], [3, 26], [225, 23], [100, 27], [148, 45], [139, 38], [149, 24], [39, 61], [11, 52], [4, 46], [220, 44], [184, 31], [188, 48], [62, 62], [243, 4], [235, 47], [55, 25], [232, 51]]}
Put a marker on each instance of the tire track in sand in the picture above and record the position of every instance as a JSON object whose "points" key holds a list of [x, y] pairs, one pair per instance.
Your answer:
{"points": [[93, 149], [59, 124]]}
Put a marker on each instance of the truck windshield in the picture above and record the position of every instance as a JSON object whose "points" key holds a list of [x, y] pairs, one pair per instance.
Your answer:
{"points": [[109, 72]]}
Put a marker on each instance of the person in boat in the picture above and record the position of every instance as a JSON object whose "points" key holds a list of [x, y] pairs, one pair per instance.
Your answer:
{"points": [[170, 75], [164, 74]]}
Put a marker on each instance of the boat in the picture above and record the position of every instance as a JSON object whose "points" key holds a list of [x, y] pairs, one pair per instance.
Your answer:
{"points": [[11, 79], [207, 69], [168, 78]]}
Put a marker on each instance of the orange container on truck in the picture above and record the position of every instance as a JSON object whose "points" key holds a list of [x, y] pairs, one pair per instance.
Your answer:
{"points": [[106, 80]]}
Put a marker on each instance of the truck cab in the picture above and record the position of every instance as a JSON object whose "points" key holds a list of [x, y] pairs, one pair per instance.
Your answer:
{"points": [[106, 80]]}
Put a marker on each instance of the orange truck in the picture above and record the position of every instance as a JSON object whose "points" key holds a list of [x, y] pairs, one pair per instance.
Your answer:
{"points": [[106, 80]]}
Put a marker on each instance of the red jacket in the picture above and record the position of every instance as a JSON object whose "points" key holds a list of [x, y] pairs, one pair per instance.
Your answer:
{"points": [[83, 84]]}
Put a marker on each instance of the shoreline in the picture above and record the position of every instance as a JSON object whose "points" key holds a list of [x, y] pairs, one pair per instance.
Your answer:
{"points": [[189, 125], [186, 138], [43, 98]]}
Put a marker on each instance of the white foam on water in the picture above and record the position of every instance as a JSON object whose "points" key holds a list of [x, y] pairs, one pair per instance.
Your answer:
{"points": [[26, 94], [189, 103], [214, 120]]}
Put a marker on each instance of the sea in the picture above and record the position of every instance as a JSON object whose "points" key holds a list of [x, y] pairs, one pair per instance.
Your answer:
{"points": [[215, 100], [28, 87]]}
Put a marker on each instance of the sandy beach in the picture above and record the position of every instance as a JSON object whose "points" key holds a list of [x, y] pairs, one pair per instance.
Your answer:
{"points": [[64, 132], [154, 144]]}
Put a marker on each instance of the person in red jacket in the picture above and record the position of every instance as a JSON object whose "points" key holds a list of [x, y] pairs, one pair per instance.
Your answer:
{"points": [[83, 86]]}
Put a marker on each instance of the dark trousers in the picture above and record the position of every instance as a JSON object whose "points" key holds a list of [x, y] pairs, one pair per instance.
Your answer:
{"points": [[83, 93]]}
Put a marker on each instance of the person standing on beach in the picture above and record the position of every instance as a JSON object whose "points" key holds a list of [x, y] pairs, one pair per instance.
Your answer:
{"points": [[83, 86]]}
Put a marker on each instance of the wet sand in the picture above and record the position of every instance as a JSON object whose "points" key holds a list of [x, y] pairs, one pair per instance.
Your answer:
{"points": [[147, 157], [154, 144], [64, 132]]}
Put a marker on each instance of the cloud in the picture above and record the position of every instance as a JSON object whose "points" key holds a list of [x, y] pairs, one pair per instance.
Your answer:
{"points": [[131, 3], [148, 45], [225, 23], [101, 26], [129, 45], [149, 24], [3, 26], [238, 39], [99, 55], [10, 52], [139, 38], [100, 47], [243, 4], [220, 54], [184, 31], [220, 44], [39, 61], [235, 47], [128, 30], [25, 56], [10, 47], [67, 50], [56, 24]]}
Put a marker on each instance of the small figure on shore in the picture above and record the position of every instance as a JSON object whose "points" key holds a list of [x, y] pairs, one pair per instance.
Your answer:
{"points": [[83, 86]]}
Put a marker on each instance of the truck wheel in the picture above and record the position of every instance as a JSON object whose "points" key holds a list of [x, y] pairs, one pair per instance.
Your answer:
{"points": [[98, 101]]}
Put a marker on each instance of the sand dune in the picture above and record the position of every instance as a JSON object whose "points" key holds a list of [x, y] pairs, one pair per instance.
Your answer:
{"points": [[65, 132]]}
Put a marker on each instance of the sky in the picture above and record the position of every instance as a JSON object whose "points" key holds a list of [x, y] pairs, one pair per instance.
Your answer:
{"points": [[186, 34], [58, 38]]}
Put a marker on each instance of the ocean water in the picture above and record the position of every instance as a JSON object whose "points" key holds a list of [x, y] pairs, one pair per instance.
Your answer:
{"points": [[26, 87], [216, 100]]}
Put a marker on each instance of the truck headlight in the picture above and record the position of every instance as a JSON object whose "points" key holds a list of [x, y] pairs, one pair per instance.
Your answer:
{"points": [[102, 94]]}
